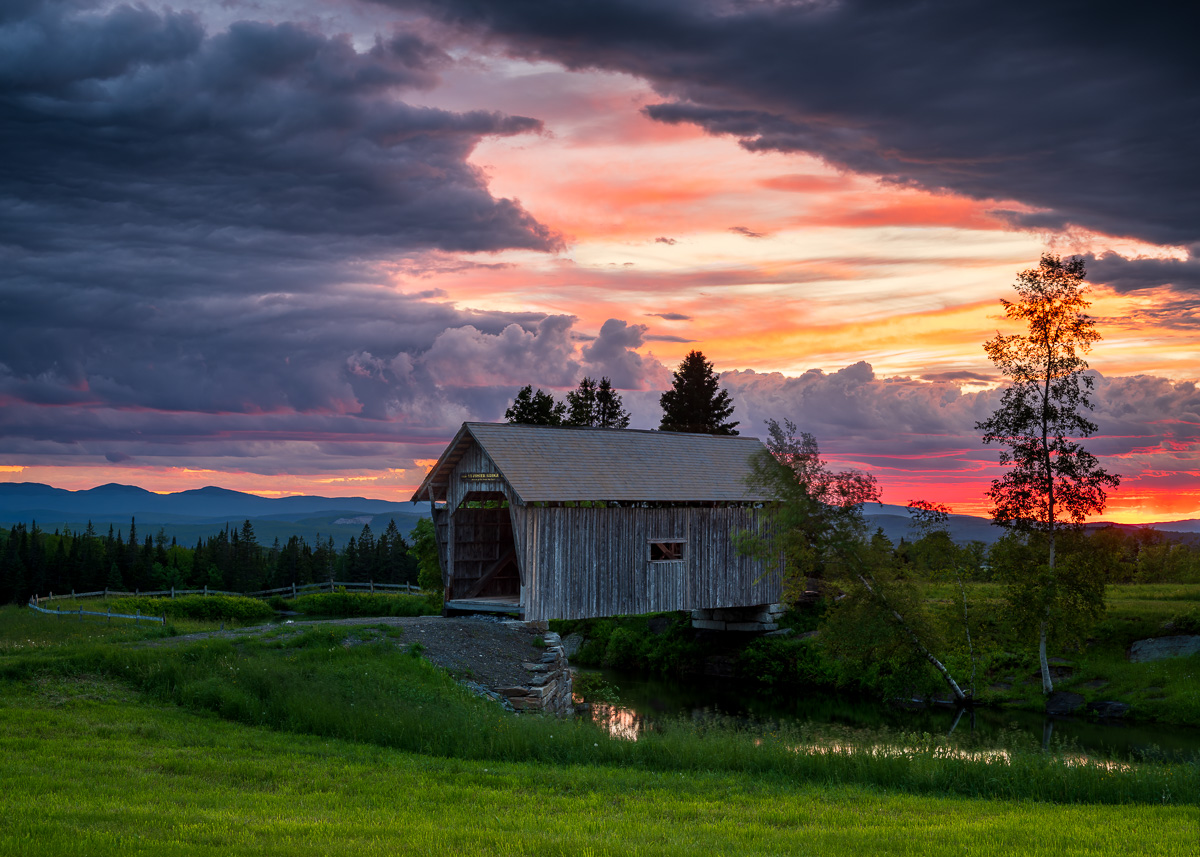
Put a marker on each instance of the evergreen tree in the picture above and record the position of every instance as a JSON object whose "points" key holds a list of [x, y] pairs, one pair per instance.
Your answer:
{"points": [[114, 581], [596, 405], [696, 403], [535, 409], [610, 412], [581, 404]]}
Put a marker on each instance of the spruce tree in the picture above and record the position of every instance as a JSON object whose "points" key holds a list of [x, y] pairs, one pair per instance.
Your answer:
{"points": [[696, 403], [581, 404], [596, 405], [535, 409]]}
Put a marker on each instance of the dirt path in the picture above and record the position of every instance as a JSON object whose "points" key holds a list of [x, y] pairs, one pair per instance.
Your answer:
{"points": [[480, 650]]}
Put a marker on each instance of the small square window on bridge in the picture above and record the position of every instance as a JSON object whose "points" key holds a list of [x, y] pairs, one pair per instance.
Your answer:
{"points": [[666, 551]]}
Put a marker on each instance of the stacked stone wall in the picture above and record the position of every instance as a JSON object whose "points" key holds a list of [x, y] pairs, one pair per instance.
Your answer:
{"points": [[548, 690]]}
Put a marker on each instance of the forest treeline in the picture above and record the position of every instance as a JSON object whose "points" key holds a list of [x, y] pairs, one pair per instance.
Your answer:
{"points": [[34, 561]]}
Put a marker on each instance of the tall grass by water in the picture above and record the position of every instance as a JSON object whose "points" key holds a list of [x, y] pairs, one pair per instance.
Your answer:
{"points": [[91, 768], [362, 685]]}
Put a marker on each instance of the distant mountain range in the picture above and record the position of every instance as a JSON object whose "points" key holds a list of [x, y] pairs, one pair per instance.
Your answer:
{"points": [[202, 511], [188, 515], [896, 524]]}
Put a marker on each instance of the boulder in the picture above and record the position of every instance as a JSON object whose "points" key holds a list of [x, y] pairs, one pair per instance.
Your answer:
{"points": [[1108, 710], [1158, 648], [572, 644], [1063, 702]]}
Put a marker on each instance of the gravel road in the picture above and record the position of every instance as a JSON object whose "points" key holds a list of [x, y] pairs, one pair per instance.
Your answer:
{"points": [[478, 649]]}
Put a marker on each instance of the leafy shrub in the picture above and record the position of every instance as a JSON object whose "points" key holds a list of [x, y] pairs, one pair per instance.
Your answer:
{"points": [[594, 687], [1186, 623], [622, 652], [205, 607], [353, 604], [780, 662]]}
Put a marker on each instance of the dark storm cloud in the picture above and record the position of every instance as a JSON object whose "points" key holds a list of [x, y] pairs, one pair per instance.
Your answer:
{"points": [[1128, 275], [1084, 112], [134, 126], [190, 224]]}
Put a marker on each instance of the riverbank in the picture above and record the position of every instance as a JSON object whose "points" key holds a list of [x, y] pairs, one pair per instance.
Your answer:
{"points": [[1097, 680], [367, 684]]}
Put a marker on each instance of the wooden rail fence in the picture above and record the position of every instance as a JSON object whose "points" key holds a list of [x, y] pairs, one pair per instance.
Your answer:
{"points": [[36, 601]]}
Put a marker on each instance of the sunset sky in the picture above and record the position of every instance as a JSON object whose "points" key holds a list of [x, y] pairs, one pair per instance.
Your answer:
{"points": [[289, 247]]}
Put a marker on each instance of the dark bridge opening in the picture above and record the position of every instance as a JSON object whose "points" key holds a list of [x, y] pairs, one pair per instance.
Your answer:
{"points": [[485, 555]]}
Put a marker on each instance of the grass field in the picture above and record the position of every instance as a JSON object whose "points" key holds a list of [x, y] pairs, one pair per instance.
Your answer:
{"points": [[118, 740], [1167, 691], [91, 768]]}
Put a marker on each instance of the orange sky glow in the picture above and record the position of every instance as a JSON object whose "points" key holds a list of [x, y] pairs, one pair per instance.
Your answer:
{"points": [[768, 262]]}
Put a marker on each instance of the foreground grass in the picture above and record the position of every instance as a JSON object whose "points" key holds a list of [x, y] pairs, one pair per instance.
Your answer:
{"points": [[360, 684], [91, 768]]}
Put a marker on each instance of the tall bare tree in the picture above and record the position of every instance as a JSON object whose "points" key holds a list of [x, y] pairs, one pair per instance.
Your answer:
{"points": [[1051, 482]]}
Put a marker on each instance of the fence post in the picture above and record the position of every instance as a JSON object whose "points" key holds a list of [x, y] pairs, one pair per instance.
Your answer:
{"points": [[172, 590], [72, 594], [293, 590], [138, 618], [109, 613], [106, 593], [372, 587], [206, 589]]}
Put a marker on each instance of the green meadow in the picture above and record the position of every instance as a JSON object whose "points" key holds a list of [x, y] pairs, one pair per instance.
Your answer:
{"points": [[118, 739]]}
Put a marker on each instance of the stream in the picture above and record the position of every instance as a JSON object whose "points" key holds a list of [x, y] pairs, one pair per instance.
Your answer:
{"points": [[647, 699]]}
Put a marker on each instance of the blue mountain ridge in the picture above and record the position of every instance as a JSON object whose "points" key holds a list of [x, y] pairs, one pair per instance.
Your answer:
{"points": [[198, 504], [115, 503]]}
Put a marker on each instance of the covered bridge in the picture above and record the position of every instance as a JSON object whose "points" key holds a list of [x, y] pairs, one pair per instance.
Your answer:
{"points": [[568, 523]]}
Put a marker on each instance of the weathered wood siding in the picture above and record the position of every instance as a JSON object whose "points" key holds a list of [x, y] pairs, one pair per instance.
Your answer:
{"points": [[582, 562]]}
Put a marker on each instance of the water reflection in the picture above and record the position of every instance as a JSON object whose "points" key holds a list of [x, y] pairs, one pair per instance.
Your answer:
{"points": [[620, 722], [981, 733]]}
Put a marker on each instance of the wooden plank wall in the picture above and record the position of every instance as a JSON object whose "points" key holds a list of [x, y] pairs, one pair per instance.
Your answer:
{"points": [[582, 562]]}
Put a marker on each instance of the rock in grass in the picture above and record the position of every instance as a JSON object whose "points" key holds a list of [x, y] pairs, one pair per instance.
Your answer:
{"points": [[1108, 710], [1063, 702], [1158, 648]]}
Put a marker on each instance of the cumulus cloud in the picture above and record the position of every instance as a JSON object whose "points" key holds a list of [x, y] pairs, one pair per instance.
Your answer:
{"points": [[347, 375], [1087, 118], [1146, 425]]}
